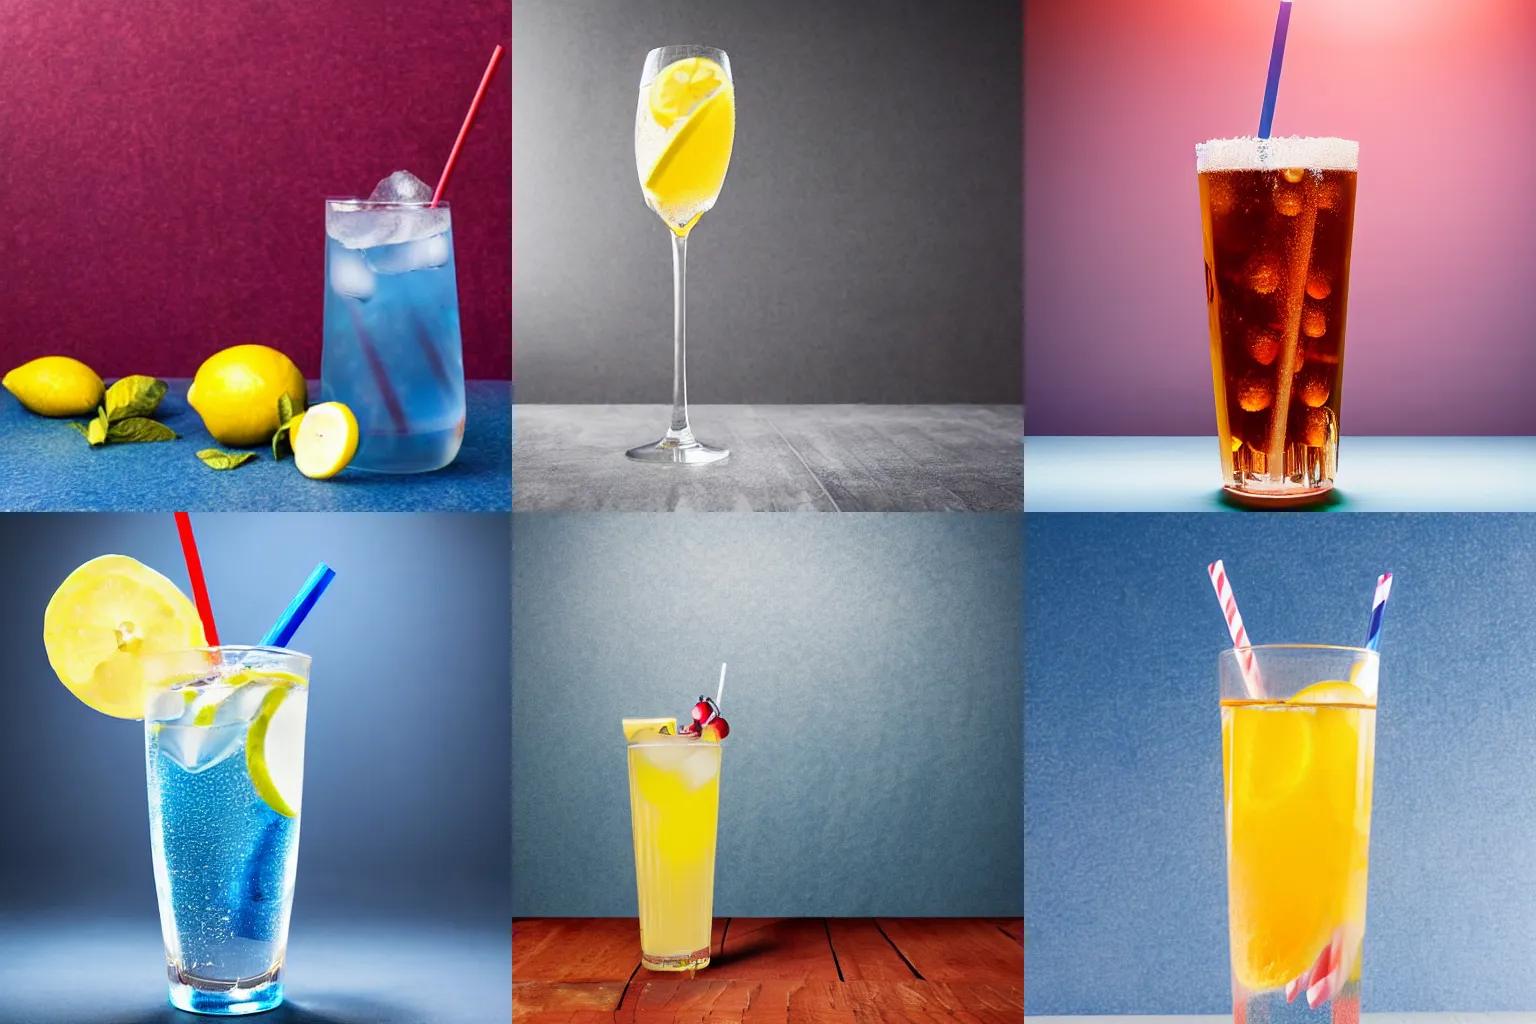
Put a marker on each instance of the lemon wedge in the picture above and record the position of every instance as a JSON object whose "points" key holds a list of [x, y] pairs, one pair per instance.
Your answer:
{"points": [[105, 617], [325, 441], [633, 727], [681, 85], [274, 749]]}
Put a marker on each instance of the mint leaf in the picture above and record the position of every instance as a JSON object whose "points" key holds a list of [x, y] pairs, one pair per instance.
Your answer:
{"points": [[83, 432], [96, 433], [137, 395], [284, 409], [216, 459], [281, 445], [139, 429]]}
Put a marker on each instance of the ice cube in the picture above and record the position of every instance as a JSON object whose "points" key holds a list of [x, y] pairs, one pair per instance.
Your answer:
{"points": [[401, 187], [404, 257], [1313, 323], [1263, 274], [198, 748], [358, 228], [1263, 345], [350, 275], [1318, 285], [1255, 393], [165, 705], [1317, 429], [1288, 200], [242, 705], [1313, 387]]}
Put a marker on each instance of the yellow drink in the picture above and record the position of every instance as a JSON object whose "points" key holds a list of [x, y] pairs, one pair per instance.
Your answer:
{"points": [[1298, 776], [685, 125], [674, 799]]}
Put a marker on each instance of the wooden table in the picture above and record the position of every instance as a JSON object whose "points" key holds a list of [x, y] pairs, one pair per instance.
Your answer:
{"points": [[811, 970], [784, 458]]}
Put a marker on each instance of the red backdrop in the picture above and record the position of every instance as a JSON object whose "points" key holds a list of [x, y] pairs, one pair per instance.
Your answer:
{"points": [[163, 162]]}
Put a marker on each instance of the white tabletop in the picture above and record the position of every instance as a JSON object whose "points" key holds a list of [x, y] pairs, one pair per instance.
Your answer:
{"points": [[1376, 474]]}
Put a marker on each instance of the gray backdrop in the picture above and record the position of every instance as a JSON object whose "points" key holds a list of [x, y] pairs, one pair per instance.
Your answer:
{"points": [[407, 733], [1125, 879], [866, 246], [874, 694]]}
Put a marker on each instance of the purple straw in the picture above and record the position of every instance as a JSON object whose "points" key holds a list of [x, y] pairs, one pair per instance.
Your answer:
{"points": [[1276, 57]]}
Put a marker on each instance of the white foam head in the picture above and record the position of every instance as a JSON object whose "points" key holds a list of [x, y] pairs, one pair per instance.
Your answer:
{"points": [[1252, 154]]}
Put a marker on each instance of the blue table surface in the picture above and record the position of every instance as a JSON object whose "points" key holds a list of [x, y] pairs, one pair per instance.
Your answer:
{"points": [[400, 971], [1376, 474], [46, 466]]}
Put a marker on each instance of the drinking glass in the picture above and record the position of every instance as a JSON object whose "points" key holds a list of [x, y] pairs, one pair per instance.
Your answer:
{"points": [[685, 124], [1298, 737]]}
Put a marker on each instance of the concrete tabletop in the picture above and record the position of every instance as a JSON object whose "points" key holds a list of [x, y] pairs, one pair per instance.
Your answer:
{"points": [[800, 458], [47, 466], [1376, 474]]}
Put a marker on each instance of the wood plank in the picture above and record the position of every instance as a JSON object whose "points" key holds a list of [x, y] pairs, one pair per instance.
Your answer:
{"points": [[910, 458], [957, 949], [864, 954], [682, 1001], [575, 949], [548, 997], [774, 949], [570, 458]]}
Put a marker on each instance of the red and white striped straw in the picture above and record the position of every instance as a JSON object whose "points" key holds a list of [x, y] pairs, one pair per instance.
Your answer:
{"points": [[1245, 659]]}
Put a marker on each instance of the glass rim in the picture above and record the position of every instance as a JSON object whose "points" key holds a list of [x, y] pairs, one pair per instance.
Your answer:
{"points": [[286, 652], [714, 53], [718, 744], [1300, 647], [370, 205]]}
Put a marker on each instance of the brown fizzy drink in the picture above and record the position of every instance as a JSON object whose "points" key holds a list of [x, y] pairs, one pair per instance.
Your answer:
{"points": [[1278, 215]]}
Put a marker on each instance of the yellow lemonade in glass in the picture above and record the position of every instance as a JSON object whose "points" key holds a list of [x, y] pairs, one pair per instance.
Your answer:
{"points": [[674, 799], [685, 124], [1298, 775]]}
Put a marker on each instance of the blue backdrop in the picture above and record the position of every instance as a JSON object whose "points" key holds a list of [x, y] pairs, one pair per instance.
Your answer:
{"points": [[1125, 885]]}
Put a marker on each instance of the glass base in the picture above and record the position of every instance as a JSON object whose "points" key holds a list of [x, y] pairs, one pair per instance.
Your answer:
{"points": [[1296, 497], [226, 998], [679, 448], [686, 962]]}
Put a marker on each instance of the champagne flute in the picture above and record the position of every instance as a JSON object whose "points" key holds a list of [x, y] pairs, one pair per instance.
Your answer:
{"points": [[685, 123]]}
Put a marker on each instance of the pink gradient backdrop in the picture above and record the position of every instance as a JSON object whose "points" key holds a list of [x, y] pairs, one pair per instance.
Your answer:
{"points": [[162, 166], [1441, 95]]}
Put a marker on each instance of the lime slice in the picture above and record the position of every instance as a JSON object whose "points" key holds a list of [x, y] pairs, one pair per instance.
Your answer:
{"points": [[274, 749], [106, 617], [633, 727], [325, 441]]}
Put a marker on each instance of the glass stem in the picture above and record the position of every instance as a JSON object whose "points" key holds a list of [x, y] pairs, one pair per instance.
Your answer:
{"points": [[680, 426]]}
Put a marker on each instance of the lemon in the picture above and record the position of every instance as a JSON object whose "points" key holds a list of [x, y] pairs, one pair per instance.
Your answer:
{"points": [[1334, 691], [105, 617], [633, 727], [325, 441], [56, 386], [274, 748], [679, 87], [689, 172], [236, 391]]}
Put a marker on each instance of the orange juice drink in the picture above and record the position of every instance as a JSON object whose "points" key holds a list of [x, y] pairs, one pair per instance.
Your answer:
{"points": [[1298, 734]]}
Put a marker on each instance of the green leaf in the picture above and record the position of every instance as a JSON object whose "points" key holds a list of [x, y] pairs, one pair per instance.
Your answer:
{"points": [[83, 432], [96, 433], [284, 409], [137, 395], [216, 459], [281, 445], [139, 429]]}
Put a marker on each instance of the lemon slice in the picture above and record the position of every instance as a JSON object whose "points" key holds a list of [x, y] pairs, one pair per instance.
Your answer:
{"points": [[1334, 691], [325, 441], [691, 168], [681, 85], [274, 749], [633, 727], [106, 616]]}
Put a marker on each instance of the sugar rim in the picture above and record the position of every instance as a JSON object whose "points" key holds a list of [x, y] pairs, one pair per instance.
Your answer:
{"points": [[1254, 154]]}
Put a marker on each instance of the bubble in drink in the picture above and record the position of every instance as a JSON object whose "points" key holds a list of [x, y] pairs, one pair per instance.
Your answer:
{"points": [[1318, 286], [1263, 345], [1313, 323], [1313, 387], [1288, 201], [1254, 393], [1263, 275]]}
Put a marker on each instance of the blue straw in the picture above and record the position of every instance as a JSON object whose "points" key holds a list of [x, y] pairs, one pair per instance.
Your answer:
{"points": [[1276, 56], [1378, 609], [288, 623]]}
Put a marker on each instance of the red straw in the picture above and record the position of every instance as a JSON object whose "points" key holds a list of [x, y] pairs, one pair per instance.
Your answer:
{"points": [[195, 570], [469, 119], [1246, 662]]}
